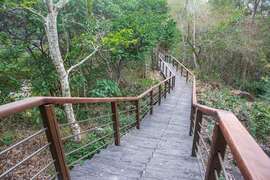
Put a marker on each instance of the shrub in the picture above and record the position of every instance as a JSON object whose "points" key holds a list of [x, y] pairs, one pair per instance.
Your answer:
{"points": [[106, 88], [7, 138], [260, 120]]}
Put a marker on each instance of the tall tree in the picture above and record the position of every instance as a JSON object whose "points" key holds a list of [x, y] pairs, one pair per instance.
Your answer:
{"points": [[50, 23]]}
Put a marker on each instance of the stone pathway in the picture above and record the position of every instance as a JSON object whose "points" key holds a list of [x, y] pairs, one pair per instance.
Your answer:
{"points": [[160, 150]]}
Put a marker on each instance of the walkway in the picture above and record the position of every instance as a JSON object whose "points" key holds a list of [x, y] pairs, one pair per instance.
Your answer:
{"points": [[160, 150]]}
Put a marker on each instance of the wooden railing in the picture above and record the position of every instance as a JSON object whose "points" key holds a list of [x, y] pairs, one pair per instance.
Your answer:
{"points": [[123, 114], [229, 135]]}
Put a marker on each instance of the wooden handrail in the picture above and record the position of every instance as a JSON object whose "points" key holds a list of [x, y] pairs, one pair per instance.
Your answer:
{"points": [[51, 125], [28, 103], [253, 163]]}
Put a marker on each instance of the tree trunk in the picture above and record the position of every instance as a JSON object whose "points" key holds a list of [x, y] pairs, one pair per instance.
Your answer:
{"points": [[256, 5], [52, 35], [117, 71], [194, 39]]}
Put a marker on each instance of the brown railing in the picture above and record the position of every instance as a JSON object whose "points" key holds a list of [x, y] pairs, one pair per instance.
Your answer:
{"points": [[59, 148], [229, 136]]}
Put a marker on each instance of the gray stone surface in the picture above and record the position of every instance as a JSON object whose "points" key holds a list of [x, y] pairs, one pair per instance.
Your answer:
{"points": [[160, 150]]}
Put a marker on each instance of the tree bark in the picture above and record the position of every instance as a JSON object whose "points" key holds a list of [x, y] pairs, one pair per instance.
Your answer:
{"points": [[53, 43], [256, 5]]}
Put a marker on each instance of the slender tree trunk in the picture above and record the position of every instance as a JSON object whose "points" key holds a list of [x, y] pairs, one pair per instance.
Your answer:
{"points": [[194, 38], [256, 5], [53, 42], [118, 71]]}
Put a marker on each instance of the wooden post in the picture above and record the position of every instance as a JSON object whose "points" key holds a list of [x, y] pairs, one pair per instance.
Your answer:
{"points": [[169, 84], [151, 102], [218, 147], [165, 89], [137, 104], [159, 94], [163, 67], [156, 58], [197, 130], [192, 114], [187, 76], [174, 81], [53, 136], [181, 70], [171, 81], [116, 124]]}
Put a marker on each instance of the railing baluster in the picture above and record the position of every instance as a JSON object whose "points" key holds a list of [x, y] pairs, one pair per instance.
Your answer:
{"points": [[53, 136], [137, 104], [197, 130], [171, 80], [116, 124], [187, 76], [151, 102], [166, 73], [218, 147]]}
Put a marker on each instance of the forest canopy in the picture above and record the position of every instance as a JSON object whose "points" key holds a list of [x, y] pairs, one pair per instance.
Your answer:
{"points": [[124, 31]]}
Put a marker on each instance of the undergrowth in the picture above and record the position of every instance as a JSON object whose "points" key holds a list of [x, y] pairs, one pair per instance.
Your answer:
{"points": [[254, 115]]}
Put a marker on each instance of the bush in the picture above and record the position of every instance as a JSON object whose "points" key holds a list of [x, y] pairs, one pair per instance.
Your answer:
{"points": [[260, 120], [7, 138], [106, 88]]}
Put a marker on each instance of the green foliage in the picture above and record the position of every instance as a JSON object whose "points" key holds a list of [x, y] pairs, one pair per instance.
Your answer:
{"points": [[106, 88], [265, 87], [257, 116], [120, 42], [260, 120], [89, 138], [7, 138]]}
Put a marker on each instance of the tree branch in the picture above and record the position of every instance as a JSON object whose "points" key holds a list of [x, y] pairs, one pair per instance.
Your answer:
{"points": [[82, 61], [61, 4], [35, 12]]}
